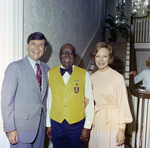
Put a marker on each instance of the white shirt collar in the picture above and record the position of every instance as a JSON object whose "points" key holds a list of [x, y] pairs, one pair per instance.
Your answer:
{"points": [[65, 68], [32, 62]]}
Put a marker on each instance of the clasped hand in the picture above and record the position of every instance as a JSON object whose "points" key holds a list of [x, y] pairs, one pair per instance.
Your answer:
{"points": [[120, 137]]}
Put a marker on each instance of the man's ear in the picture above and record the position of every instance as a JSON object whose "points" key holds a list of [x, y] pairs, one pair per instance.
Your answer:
{"points": [[45, 49], [27, 45]]}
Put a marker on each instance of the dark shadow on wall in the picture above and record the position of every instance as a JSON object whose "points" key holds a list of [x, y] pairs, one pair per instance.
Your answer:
{"points": [[46, 142], [118, 65], [47, 54], [78, 58]]}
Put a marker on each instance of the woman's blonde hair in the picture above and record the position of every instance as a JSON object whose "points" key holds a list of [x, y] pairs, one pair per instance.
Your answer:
{"points": [[100, 45]]}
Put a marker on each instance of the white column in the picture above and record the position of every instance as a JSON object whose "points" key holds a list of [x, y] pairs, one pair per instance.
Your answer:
{"points": [[11, 41]]}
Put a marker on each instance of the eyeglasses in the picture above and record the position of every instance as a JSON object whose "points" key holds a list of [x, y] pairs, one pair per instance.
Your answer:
{"points": [[70, 53]]}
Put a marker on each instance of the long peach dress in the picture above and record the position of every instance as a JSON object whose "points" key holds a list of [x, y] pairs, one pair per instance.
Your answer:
{"points": [[111, 108]]}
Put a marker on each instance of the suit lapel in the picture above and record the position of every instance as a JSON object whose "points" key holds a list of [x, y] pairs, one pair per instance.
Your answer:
{"points": [[32, 77], [44, 80]]}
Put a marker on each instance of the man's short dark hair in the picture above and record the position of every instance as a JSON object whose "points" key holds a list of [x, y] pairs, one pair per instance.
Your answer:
{"points": [[37, 36]]}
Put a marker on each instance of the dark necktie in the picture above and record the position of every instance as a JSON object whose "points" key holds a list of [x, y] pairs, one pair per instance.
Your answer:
{"points": [[62, 70], [39, 75]]}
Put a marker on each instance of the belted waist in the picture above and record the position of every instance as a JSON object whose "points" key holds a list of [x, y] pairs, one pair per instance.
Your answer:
{"points": [[105, 107], [98, 108]]}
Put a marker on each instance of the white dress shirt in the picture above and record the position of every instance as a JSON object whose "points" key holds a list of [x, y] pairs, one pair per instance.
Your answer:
{"points": [[33, 64], [89, 109]]}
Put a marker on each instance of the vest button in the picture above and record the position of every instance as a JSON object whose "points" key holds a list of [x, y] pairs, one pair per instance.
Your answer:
{"points": [[65, 88], [64, 96], [64, 114], [64, 105]]}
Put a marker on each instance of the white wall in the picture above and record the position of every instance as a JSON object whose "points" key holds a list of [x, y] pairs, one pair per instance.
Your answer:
{"points": [[11, 27]]}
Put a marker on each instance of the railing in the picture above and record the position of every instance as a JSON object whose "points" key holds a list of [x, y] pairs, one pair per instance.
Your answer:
{"points": [[141, 28], [139, 32], [133, 65]]}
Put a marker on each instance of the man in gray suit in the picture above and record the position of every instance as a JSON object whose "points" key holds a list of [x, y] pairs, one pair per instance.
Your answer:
{"points": [[23, 96]]}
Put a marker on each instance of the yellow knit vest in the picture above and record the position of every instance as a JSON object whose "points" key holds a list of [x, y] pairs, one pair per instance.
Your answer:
{"points": [[67, 100]]}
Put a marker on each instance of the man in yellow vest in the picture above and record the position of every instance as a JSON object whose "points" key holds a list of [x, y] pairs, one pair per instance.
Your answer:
{"points": [[68, 120]]}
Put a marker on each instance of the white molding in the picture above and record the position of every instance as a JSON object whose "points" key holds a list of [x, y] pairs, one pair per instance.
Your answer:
{"points": [[11, 41], [142, 45], [14, 30]]}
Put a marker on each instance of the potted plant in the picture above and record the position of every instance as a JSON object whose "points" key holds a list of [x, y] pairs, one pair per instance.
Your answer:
{"points": [[117, 27]]}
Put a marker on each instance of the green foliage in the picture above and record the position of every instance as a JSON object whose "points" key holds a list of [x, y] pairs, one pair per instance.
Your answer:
{"points": [[116, 27]]}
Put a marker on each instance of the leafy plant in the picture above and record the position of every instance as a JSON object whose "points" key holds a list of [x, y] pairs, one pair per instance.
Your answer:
{"points": [[117, 27]]}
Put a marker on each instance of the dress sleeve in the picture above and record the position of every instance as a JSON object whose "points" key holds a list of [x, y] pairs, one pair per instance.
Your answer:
{"points": [[124, 113]]}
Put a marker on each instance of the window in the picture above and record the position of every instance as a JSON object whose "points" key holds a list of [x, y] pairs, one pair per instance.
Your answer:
{"points": [[120, 8], [120, 11], [139, 7]]}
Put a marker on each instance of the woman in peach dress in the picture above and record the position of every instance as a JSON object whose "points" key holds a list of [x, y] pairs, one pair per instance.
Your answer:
{"points": [[112, 111]]}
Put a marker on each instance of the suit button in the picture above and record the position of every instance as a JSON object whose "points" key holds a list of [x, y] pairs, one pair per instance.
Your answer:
{"points": [[41, 110]]}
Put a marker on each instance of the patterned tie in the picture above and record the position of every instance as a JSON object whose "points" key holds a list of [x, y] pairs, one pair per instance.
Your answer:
{"points": [[38, 75]]}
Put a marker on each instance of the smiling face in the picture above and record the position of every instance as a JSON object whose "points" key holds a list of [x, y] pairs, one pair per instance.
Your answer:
{"points": [[102, 59], [67, 55], [36, 48]]}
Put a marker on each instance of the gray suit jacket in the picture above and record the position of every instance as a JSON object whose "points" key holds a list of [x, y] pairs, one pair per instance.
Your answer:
{"points": [[22, 101]]}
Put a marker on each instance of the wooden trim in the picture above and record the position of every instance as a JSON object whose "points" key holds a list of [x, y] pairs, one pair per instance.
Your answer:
{"points": [[141, 17]]}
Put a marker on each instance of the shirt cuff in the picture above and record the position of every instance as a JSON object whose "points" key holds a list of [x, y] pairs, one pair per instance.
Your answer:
{"points": [[87, 124], [48, 123], [122, 126]]}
